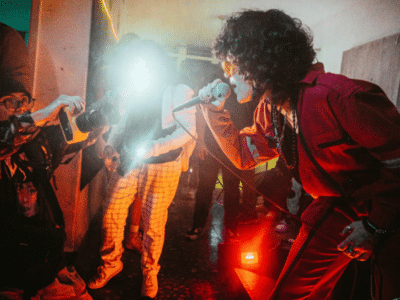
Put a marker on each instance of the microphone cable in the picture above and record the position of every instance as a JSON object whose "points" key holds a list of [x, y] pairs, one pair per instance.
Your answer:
{"points": [[253, 188]]}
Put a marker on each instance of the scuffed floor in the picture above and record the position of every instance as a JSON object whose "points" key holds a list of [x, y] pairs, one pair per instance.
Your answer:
{"points": [[189, 269]]}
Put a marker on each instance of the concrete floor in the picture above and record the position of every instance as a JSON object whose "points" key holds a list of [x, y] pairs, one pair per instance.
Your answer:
{"points": [[199, 270]]}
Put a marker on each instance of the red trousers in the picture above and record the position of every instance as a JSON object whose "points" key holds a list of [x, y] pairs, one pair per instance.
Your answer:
{"points": [[314, 265]]}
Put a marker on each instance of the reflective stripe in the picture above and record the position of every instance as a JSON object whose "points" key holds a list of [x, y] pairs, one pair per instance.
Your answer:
{"points": [[392, 163]]}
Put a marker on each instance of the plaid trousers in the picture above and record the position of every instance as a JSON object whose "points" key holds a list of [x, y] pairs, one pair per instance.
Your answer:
{"points": [[156, 185]]}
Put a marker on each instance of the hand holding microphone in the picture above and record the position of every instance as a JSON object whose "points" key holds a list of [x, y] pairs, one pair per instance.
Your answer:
{"points": [[216, 92]]}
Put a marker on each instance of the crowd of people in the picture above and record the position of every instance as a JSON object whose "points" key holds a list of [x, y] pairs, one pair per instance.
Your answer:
{"points": [[337, 140]]}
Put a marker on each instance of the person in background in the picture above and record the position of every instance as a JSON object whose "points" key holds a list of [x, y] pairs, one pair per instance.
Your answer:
{"points": [[209, 169], [239, 202], [279, 186], [154, 148], [14, 56], [340, 137], [133, 239], [296, 201]]}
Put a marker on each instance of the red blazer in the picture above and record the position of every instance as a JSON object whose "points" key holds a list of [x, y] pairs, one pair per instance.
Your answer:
{"points": [[352, 130]]}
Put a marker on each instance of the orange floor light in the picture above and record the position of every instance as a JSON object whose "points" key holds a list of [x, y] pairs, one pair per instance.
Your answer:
{"points": [[249, 258]]}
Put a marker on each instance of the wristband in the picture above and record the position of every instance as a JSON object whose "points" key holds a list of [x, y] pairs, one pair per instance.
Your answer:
{"points": [[371, 228]]}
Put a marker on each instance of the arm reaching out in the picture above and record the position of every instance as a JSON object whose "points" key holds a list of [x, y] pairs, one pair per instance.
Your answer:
{"points": [[50, 113]]}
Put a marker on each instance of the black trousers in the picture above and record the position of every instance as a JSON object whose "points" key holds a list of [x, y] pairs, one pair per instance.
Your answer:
{"points": [[208, 174]]}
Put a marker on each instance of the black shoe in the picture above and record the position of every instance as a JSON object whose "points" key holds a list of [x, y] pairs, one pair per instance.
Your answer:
{"points": [[194, 233], [247, 217]]}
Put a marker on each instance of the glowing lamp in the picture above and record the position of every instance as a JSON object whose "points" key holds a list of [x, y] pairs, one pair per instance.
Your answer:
{"points": [[249, 258]]}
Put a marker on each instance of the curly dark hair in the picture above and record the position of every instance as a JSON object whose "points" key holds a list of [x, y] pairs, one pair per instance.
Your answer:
{"points": [[271, 49]]}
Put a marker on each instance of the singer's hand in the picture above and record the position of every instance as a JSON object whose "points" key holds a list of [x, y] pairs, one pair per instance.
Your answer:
{"points": [[205, 95], [50, 113]]}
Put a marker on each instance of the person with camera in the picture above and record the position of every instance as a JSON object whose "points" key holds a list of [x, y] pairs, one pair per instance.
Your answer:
{"points": [[340, 137], [154, 146], [31, 222], [32, 232]]}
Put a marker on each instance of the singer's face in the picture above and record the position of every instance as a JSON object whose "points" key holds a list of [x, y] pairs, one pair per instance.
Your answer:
{"points": [[242, 89]]}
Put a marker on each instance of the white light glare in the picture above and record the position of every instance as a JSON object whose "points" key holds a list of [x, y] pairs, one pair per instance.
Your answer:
{"points": [[141, 75], [140, 152]]}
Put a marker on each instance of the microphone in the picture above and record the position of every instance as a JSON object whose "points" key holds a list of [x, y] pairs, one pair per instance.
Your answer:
{"points": [[220, 91]]}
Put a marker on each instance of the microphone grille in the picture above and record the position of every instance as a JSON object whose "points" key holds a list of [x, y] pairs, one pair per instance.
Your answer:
{"points": [[220, 90]]}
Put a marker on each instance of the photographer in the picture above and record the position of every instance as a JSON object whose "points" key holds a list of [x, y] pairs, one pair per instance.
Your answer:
{"points": [[31, 222]]}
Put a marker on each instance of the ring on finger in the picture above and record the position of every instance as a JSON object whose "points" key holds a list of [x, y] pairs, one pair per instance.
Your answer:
{"points": [[351, 251]]}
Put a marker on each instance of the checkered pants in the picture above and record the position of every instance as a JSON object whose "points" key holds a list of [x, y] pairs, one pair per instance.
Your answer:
{"points": [[156, 185]]}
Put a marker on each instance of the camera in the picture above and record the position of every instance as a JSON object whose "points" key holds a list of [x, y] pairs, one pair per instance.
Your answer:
{"points": [[99, 114]]}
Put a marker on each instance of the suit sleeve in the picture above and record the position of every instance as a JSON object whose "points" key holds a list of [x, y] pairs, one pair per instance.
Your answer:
{"points": [[246, 148], [373, 122]]}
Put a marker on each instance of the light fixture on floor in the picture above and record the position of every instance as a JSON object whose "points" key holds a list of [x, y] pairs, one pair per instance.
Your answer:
{"points": [[249, 258]]}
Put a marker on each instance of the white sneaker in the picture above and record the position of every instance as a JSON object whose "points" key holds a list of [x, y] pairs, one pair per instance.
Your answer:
{"points": [[149, 284], [104, 274], [134, 242]]}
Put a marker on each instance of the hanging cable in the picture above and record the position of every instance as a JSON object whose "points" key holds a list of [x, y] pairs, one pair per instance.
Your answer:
{"points": [[110, 20]]}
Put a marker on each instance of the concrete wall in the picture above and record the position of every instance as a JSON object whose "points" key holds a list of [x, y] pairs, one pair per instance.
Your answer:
{"points": [[59, 48], [364, 21], [378, 62]]}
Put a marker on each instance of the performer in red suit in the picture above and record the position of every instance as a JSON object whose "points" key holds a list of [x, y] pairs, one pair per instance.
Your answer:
{"points": [[340, 137]]}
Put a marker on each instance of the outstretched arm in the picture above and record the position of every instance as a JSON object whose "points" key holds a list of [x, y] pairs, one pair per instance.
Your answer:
{"points": [[50, 113], [184, 120], [246, 148]]}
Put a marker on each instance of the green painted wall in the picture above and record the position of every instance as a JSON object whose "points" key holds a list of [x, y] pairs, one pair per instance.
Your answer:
{"points": [[16, 13]]}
